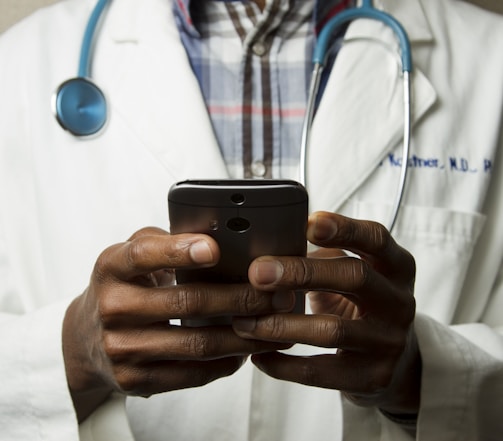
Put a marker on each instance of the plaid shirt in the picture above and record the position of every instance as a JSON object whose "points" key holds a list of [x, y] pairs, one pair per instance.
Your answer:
{"points": [[254, 70]]}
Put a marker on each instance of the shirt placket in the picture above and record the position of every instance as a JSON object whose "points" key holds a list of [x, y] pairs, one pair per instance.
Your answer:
{"points": [[260, 121]]}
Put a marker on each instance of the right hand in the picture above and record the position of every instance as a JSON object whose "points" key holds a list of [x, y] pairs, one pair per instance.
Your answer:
{"points": [[117, 335]]}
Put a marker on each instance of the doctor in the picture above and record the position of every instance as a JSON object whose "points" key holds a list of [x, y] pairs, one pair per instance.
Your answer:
{"points": [[422, 351]]}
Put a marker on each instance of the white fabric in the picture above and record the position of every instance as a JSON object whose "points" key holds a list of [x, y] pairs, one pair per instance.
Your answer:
{"points": [[64, 200]]}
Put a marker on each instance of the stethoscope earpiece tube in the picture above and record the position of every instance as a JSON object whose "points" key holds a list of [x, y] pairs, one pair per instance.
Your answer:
{"points": [[366, 10]]}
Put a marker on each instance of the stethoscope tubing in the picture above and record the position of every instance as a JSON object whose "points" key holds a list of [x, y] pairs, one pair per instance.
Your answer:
{"points": [[407, 131], [87, 40], [366, 10]]}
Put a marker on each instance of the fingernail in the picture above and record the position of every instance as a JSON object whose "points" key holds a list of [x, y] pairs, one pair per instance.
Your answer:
{"points": [[268, 272], [324, 228], [200, 252], [283, 301], [244, 324]]}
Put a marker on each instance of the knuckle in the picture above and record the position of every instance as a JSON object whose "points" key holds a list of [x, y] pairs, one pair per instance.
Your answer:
{"points": [[380, 237], [357, 272], [110, 310], [248, 301], [275, 326], [409, 262], [406, 304], [303, 274], [334, 332], [200, 345], [177, 303], [147, 231], [406, 267], [346, 231], [113, 347], [106, 308], [121, 347], [135, 251], [354, 231], [101, 273], [130, 379], [361, 274], [186, 302], [409, 310]]}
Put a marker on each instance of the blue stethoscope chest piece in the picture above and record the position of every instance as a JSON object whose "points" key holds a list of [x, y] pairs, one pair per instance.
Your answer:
{"points": [[80, 107]]}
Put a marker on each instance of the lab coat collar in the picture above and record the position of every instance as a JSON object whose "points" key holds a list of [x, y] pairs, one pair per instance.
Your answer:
{"points": [[123, 21], [411, 15]]}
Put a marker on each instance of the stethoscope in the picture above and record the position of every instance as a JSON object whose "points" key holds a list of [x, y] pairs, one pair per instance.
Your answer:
{"points": [[366, 10], [80, 105], [81, 108]]}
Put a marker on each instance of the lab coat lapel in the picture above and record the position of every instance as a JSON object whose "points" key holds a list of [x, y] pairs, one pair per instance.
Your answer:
{"points": [[180, 136], [360, 117]]}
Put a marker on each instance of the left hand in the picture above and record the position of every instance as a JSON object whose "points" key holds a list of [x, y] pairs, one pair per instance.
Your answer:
{"points": [[363, 307]]}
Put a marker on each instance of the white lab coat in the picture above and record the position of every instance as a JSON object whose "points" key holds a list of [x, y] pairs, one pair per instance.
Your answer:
{"points": [[63, 200]]}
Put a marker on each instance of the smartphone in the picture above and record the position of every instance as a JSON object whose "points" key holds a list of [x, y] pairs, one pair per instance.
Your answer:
{"points": [[247, 218]]}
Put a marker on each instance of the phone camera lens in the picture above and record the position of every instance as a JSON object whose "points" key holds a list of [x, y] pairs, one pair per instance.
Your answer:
{"points": [[238, 198], [238, 224]]}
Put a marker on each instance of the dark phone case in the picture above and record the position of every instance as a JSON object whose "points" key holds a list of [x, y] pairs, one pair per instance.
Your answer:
{"points": [[247, 218]]}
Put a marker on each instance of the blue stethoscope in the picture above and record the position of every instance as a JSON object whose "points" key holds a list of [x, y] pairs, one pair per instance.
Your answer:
{"points": [[366, 10], [81, 107]]}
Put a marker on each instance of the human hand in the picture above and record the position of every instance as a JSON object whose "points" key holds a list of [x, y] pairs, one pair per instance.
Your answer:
{"points": [[363, 306], [117, 335]]}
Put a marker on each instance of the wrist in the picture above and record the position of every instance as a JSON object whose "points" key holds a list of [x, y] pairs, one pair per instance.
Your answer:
{"points": [[87, 390], [403, 396], [86, 402]]}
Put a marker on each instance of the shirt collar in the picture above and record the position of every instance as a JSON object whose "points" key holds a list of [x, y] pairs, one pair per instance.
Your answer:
{"points": [[125, 24], [323, 11], [183, 7], [184, 18]]}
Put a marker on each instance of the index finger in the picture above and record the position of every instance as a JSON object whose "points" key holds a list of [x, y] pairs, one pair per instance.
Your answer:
{"points": [[368, 239], [146, 253]]}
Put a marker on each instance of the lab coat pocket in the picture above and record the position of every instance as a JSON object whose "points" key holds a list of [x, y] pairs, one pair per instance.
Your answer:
{"points": [[442, 242]]}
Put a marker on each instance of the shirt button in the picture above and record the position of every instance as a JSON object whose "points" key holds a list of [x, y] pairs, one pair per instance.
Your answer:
{"points": [[258, 169], [259, 48]]}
